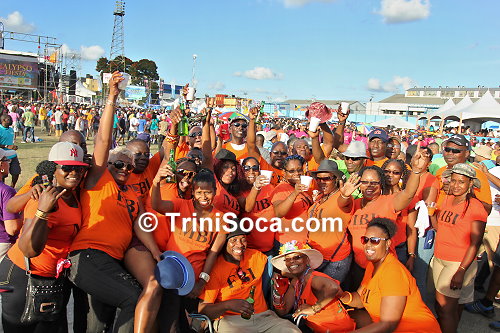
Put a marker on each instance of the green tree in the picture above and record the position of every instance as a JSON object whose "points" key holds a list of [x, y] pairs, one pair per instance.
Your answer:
{"points": [[143, 69], [102, 65]]}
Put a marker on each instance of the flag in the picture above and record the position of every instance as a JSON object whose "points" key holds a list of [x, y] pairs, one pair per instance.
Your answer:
{"points": [[53, 57]]}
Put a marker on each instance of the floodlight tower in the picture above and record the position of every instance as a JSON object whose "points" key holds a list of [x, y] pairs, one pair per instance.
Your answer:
{"points": [[118, 40], [1, 36]]}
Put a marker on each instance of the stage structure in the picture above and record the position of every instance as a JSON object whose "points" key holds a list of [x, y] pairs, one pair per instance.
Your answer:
{"points": [[118, 40]]}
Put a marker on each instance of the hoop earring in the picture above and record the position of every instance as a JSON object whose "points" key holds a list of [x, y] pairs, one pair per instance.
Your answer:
{"points": [[2, 170]]}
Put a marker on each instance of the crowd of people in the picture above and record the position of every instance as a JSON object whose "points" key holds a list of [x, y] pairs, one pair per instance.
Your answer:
{"points": [[411, 205]]}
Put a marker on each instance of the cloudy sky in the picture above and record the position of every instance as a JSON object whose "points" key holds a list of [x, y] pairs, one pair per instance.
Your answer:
{"points": [[283, 49]]}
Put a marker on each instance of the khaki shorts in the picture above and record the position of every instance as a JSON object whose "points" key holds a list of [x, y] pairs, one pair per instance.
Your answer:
{"points": [[442, 273], [266, 321]]}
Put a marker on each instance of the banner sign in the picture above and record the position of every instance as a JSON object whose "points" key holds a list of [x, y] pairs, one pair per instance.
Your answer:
{"points": [[18, 72], [135, 92]]}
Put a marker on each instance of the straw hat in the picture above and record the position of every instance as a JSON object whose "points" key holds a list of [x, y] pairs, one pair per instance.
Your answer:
{"points": [[315, 257]]}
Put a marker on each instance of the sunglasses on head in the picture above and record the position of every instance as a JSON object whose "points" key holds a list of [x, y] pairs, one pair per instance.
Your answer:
{"points": [[347, 158], [194, 134], [120, 165], [69, 168], [372, 240], [397, 173], [253, 168], [281, 153], [453, 150], [242, 275], [243, 125], [366, 183], [185, 173], [294, 258]]}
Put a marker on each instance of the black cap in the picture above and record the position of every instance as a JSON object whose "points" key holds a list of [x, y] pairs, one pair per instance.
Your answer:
{"points": [[237, 232], [225, 154], [459, 140], [378, 133]]}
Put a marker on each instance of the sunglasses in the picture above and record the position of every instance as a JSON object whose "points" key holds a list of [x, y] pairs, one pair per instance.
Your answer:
{"points": [[242, 275], [194, 134], [243, 125], [253, 168], [294, 258], [186, 173], [453, 150], [347, 158], [280, 153], [372, 240], [397, 173], [69, 168], [295, 171], [367, 183], [120, 165], [325, 179]]}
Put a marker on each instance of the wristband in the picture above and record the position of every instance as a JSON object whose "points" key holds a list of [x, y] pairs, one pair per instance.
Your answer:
{"points": [[110, 102], [462, 267], [411, 254], [41, 214], [343, 196], [257, 188], [317, 308], [350, 299], [204, 276]]}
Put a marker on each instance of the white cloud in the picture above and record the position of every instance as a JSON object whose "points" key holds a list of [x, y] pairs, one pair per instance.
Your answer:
{"points": [[15, 22], [300, 3], [399, 11], [217, 86], [397, 82], [93, 52], [260, 73]]}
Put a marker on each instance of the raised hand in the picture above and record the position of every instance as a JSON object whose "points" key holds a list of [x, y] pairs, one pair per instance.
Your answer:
{"points": [[419, 160], [351, 185], [48, 198], [116, 78], [253, 113], [342, 117]]}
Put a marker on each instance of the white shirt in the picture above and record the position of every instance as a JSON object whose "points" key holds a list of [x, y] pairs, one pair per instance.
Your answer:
{"points": [[58, 116], [134, 123]]}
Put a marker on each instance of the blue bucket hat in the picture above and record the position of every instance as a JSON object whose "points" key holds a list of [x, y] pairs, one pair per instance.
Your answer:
{"points": [[174, 272]]}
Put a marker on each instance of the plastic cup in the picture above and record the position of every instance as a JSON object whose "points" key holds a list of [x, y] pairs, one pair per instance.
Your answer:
{"points": [[190, 94], [431, 208], [268, 174], [123, 84], [345, 107], [313, 124], [306, 180]]}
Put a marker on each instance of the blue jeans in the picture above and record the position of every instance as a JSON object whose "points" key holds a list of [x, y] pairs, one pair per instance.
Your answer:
{"points": [[32, 133], [421, 267], [336, 269], [402, 252]]}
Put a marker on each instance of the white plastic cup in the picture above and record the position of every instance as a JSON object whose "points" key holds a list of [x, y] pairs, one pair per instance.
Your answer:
{"points": [[345, 107], [313, 124], [268, 174], [306, 180], [123, 84], [190, 94]]}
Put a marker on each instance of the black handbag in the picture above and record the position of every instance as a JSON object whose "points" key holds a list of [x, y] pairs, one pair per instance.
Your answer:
{"points": [[44, 298]]}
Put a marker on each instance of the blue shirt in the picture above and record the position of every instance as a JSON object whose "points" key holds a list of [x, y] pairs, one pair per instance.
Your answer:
{"points": [[6, 136], [142, 124]]}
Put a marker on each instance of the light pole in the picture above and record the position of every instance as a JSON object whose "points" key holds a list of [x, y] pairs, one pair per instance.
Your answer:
{"points": [[194, 65]]}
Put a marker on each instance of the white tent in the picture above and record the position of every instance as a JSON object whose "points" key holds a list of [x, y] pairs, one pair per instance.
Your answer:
{"points": [[486, 108], [397, 122], [455, 111], [80, 90], [445, 107], [453, 124]]}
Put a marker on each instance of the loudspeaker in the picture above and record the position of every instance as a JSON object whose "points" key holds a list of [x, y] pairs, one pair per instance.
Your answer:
{"points": [[72, 82]]}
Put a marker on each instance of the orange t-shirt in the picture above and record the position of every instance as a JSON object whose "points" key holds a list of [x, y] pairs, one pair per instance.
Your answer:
{"points": [[182, 150], [193, 244], [328, 241], [298, 210], [427, 180], [277, 173], [63, 226], [332, 317], [454, 227], [311, 165], [482, 194], [378, 163], [393, 279], [261, 240], [400, 235], [383, 206], [108, 215], [226, 202], [140, 183], [225, 284], [240, 154], [27, 186]]}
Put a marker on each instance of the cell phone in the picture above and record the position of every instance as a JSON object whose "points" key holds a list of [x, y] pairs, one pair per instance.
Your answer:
{"points": [[224, 132]]}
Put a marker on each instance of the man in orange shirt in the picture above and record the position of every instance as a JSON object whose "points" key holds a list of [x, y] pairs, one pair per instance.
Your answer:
{"points": [[457, 150], [237, 271], [377, 146], [238, 128]]}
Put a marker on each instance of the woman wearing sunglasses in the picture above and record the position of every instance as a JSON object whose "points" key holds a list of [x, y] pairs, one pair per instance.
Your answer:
{"points": [[291, 200], [404, 241], [256, 202], [461, 221], [110, 213], [388, 292], [333, 244], [50, 225], [200, 247], [308, 292], [376, 202]]}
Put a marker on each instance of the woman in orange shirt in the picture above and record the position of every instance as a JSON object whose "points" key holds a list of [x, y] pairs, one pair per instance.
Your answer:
{"points": [[309, 293], [461, 220], [376, 202], [256, 203], [50, 224], [388, 292], [290, 201]]}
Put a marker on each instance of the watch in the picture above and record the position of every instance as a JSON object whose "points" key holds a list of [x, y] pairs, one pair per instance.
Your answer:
{"points": [[204, 276]]}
